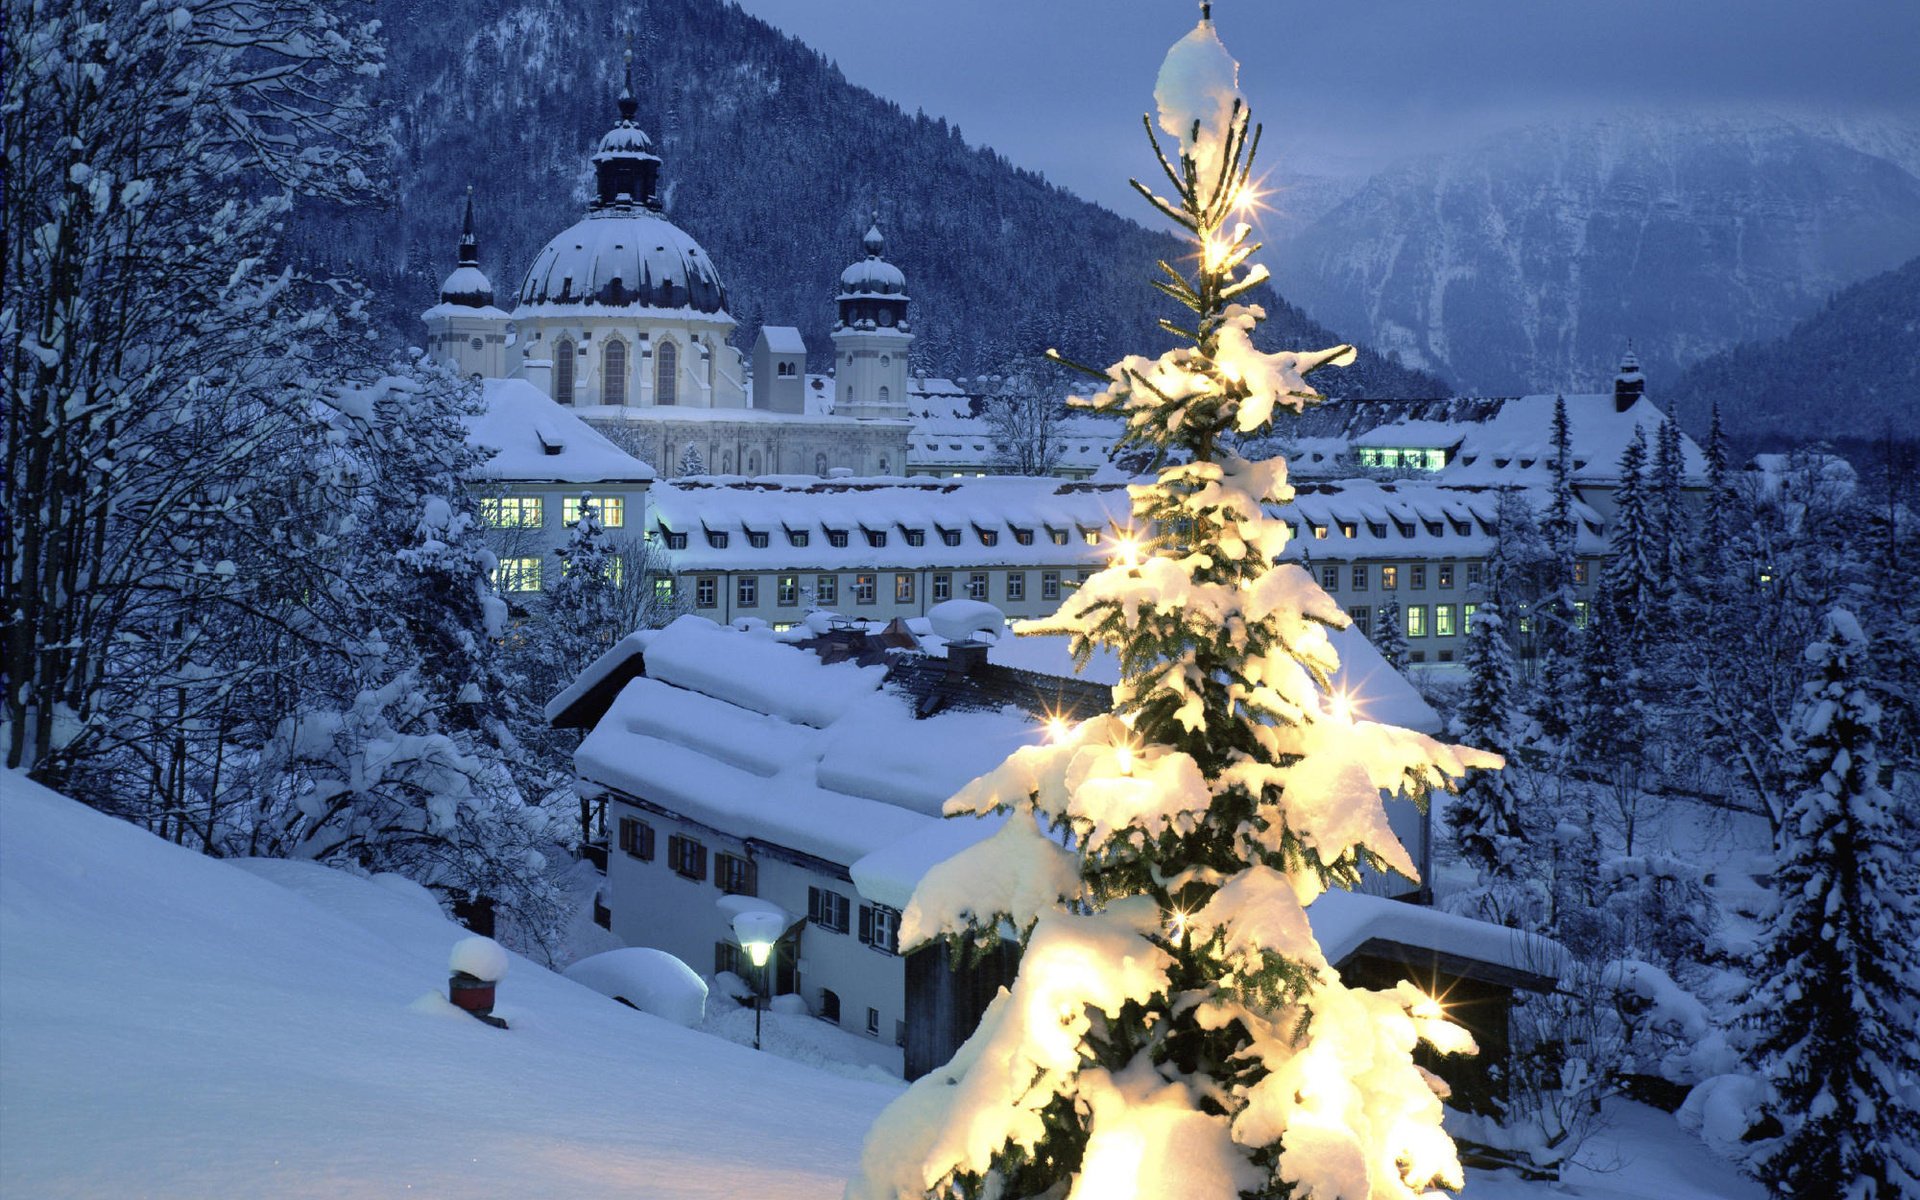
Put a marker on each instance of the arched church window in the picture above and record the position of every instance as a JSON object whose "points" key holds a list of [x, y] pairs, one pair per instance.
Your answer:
{"points": [[886, 360], [563, 371], [666, 373], [613, 373], [886, 393]]}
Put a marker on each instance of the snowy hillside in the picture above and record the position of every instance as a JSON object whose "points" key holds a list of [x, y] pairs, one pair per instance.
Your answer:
{"points": [[1527, 261], [171, 1025], [176, 1026]]}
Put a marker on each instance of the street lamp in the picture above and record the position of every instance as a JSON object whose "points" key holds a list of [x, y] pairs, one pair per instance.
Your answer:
{"points": [[757, 931]]}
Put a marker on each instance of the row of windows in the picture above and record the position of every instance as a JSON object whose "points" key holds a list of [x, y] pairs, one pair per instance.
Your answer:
{"points": [[613, 372], [839, 539], [1401, 457], [525, 574], [865, 588], [686, 857], [1443, 624], [530, 512], [1360, 574]]}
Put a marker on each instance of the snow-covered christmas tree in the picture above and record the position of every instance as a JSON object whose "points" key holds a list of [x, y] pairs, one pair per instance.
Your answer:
{"points": [[1174, 1029], [1390, 634], [1841, 990], [1486, 814]]}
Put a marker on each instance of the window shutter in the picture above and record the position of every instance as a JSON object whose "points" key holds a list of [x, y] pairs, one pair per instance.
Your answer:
{"points": [[866, 923], [699, 861]]}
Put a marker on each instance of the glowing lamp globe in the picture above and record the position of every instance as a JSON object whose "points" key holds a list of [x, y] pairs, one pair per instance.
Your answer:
{"points": [[757, 932]]}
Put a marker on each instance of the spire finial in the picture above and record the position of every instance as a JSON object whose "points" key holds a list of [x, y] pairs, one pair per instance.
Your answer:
{"points": [[1206, 11], [875, 243], [628, 105], [469, 245]]}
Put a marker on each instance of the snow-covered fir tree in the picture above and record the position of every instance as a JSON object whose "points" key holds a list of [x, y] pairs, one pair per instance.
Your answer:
{"points": [[1555, 611], [1174, 1029], [1633, 566], [1486, 814], [1671, 523], [690, 461], [1840, 990], [1390, 634]]}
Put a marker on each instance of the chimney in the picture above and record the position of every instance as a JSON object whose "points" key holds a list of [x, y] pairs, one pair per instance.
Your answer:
{"points": [[966, 658]]}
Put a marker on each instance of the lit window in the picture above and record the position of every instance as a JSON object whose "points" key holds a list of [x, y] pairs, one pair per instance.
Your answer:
{"points": [[863, 589], [1443, 620], [1466, 617], [613, 511], [663, 590], [706, 592], [517, 575], [1416, 620], [1446, 575], [747, 591], [1349, 529], [826, 589], [1016, 585], [1580, 573], [787, 591], [903, 588], [1389, 578], [1320, 531], [942, 587], [988, 537], [1057, 536], [1582, 613], [1023, 536], [1092, 536], [514, 512]]}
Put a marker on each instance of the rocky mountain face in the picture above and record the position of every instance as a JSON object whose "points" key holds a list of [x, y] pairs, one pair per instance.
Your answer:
{"points": [[1528, 261], [1849, 372], [773, 161]]}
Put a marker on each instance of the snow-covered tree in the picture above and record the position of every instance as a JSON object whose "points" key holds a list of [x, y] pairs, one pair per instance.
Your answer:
{"points": [[1671, 523], [1840, 990], [1174, 1029], [154, 347], [1390, 634], [1486, 814], [1633, 568], [404, 759], [1555, 613], [1025, 420], [690, 461]]}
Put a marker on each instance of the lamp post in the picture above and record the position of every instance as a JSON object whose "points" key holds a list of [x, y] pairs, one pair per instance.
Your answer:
{"points": [[757, 932]]}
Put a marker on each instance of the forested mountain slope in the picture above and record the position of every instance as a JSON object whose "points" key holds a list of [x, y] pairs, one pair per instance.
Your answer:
{"points": [[1850, 370], [773, 161]]}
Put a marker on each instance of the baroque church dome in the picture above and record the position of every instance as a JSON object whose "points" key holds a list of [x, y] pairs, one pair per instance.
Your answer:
{"points": [[624, 254]]}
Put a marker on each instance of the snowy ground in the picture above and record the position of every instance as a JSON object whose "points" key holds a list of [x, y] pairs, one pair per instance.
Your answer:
{"points": [[175, 1026]]}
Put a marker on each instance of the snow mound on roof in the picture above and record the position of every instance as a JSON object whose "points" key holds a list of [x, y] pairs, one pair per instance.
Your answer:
{"points": [[537, 439], [757, 673], [179, 1026]]}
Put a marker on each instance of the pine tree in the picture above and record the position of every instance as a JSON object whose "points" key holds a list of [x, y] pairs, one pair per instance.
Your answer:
{"points": [[691, 462], [1486, 814], [1841, 982], [1174, 1028], [1557, 612], [1717, 514], [1670, 524], [1632, 569], [1390, 634]]}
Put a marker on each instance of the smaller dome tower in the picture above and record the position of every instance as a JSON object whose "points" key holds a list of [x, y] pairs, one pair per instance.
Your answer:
{"points": [[626, 170], [465, 330], [871, 336]]}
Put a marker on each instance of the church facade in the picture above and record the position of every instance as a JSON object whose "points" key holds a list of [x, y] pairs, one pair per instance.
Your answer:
{"points": [[623, 317]]}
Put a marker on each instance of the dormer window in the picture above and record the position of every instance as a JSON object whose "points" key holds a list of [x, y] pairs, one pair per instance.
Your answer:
{"points": [[797, 537], [1023, 536], [1434, 528], [837, 538], [717, 538], [1057, 536], [1377, 528], [915, 537], [1349, 529], [950, 537], [675, 541], [1405, 528], [988, 537], [875, 537], [1319, 531], [757, 539]]}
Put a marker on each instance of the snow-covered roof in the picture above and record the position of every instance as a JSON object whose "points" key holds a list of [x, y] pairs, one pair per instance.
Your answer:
{"points": [[750, 734], [621, 259], [1366, 518], [990, 517], [539, 441], [1488, 440], [962, 442], [783, 339], [1345, 923]]}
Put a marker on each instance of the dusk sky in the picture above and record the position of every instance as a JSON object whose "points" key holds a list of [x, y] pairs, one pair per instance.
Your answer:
{"points": [[1059, 85]]}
